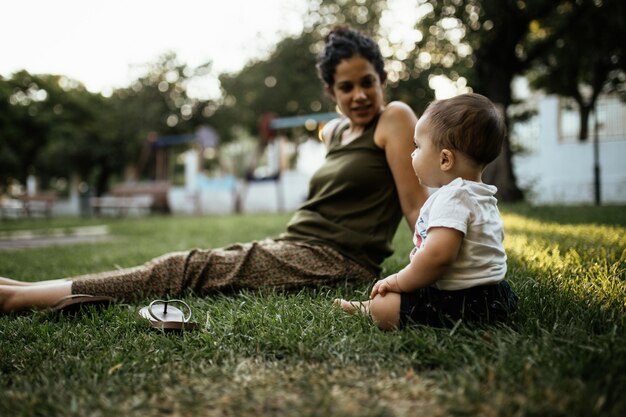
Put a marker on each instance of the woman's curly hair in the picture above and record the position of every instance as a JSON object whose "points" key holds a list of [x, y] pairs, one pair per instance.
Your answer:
{"points": [[343, 43]]}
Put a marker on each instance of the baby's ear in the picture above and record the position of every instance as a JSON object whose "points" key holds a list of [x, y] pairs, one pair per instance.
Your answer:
{"points": [[446, 159]]}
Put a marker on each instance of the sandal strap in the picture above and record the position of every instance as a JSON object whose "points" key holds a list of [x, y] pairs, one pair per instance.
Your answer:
{"points": [[186, 317]]}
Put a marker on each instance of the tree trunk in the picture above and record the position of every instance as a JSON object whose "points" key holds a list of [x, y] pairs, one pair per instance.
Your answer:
{"points": [[583, 133], [496, 84], [500, 173], [102, 182]]}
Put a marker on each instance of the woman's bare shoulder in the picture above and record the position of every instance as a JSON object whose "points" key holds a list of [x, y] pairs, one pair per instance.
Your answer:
{"points": [[398, 116], [398, 109]]}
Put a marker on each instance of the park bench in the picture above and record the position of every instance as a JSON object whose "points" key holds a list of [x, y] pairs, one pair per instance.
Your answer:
{"points": [[38, 204], [33, 205], [133, 197], [11, 208], [121, 206]]}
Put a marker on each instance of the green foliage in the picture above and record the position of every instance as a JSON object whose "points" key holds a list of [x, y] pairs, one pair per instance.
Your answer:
{"points": [[159, 100], [157, 103], [45, 121], [270, 353], [583, 77], [363, 15], [285, 84], [52, 126], [487, 44]]}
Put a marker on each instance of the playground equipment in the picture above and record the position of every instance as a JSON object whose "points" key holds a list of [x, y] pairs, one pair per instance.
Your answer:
{"points": [[266, 166], [272, 144], [156, 152]]}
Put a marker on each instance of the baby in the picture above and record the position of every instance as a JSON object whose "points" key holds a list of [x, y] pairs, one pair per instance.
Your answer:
{"points": [[458, 265]]}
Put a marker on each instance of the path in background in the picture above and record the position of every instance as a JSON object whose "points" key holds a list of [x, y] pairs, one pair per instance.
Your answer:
{"points": [[30, 238]]}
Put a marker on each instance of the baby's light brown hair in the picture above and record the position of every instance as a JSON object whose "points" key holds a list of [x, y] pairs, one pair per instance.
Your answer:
{"points": [[469, 123]]}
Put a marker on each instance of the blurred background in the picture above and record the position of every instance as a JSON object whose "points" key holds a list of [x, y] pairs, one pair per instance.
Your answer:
{"points": [[214, 107]]}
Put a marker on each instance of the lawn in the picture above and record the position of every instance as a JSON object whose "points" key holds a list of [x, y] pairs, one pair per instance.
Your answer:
{"points": [[562, 354]]}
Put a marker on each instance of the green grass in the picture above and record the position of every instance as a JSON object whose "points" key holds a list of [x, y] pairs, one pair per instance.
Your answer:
{"points": [[562, 354]]}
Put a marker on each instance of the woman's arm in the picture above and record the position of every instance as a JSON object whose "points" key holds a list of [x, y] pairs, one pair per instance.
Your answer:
{"points": [[394, 134], [427, 265]]}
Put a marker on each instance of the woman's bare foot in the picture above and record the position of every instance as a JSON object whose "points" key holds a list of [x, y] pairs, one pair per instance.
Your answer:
{"points": [[353, 307], [23, 297]]}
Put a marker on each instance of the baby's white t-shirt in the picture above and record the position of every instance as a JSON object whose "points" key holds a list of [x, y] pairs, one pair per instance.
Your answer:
{"points": [[471, 208]]}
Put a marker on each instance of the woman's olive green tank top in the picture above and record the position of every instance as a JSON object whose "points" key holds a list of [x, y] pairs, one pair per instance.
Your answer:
{"points": [[352, 205]]}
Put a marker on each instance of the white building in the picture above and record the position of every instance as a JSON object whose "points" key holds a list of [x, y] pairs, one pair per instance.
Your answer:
{"points": [[558, 168]]}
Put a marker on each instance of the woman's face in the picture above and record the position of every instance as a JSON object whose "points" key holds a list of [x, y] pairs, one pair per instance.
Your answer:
{"points": [[357, 90]]}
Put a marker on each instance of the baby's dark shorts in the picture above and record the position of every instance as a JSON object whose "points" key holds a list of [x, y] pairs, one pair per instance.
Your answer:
{"points": [[439, 308]]}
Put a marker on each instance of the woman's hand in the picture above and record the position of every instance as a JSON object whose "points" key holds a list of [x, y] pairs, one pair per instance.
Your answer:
{"points": [[383, 286]]}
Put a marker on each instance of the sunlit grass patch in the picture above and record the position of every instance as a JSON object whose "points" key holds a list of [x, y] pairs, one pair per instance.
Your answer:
{"points": [[577, 267], [565, 352]]}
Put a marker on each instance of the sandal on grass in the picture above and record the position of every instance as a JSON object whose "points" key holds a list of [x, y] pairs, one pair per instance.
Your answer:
{"points": [[75, 302], [163, 315]]}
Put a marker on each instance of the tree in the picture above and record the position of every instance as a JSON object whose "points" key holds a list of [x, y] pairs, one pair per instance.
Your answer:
{"points": [[42, 115], [285, 83], [489, 43], [9, 156], [52, 126], [158, 101], [363, 15], [599, 31]]}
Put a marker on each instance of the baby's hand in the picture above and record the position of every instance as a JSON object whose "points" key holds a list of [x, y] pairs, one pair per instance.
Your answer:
{"points": [[383, 286]]}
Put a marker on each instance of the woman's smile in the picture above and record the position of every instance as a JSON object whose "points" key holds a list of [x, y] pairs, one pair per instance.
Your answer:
{"points": [[357, 90]]}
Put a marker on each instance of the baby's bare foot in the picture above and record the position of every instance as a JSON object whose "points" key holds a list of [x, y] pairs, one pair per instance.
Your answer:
{"points": [[353, 307]]}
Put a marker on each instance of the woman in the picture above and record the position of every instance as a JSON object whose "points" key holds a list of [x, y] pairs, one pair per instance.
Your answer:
{"points": [[342, 232]]}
